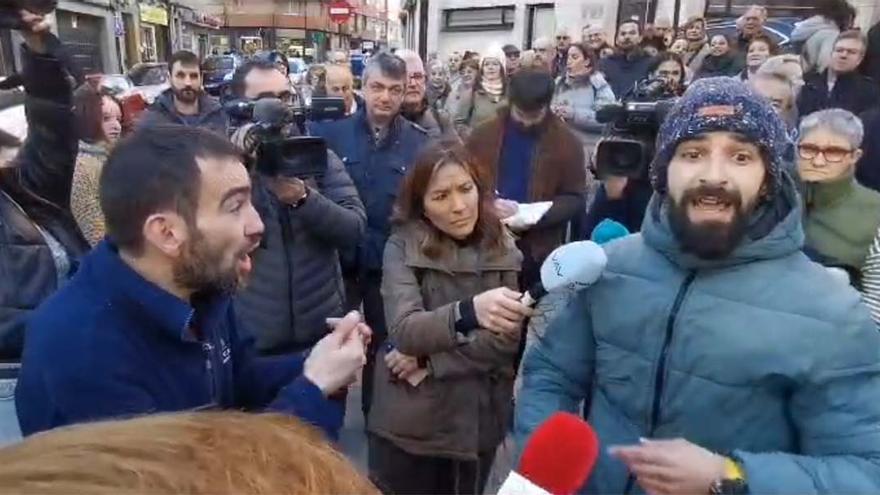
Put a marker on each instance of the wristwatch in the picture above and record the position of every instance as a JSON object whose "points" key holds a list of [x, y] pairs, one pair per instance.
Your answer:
{"points": [[732, 483]]}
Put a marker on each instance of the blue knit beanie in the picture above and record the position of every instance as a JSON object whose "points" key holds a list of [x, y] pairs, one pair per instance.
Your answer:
{"points": [[721, 104]]}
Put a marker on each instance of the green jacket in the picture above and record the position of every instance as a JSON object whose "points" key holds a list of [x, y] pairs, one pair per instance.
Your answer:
{"points": [[841, 220], [762, 355]]}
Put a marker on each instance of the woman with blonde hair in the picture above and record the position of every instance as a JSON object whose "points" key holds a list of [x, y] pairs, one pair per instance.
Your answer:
{"points": [[196, 453]]}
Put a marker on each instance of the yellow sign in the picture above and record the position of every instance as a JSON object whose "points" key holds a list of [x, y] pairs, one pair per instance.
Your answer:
{"points": [[154, 15]]}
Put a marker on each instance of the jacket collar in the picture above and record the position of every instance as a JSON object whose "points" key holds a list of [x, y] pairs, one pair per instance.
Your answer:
{"points": [[393, 127], [172, 315], [829, 193], [774, 231], [460, 258], [207, 104]]}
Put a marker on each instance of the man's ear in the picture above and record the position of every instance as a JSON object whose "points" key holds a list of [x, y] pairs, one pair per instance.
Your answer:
{"points": [[167, 232]]}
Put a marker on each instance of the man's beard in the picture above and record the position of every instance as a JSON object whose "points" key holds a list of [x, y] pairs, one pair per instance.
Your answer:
{"points": [[186, 95], [413, 110], [709, 240], [201, 268], [532, 128]]}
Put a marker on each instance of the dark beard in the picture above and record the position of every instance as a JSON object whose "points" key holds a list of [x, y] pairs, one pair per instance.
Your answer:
{"points": [[186, 95], [709, 240], [530, 130], [201, 268], [414, 111]]}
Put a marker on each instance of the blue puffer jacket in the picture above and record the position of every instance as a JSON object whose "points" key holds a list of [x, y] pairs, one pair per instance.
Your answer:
{"points": [[762, 355], [377, 169]]}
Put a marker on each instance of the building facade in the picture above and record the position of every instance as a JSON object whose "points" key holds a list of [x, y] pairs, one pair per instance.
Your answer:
{"points": [[444, 26], [304, 27]]}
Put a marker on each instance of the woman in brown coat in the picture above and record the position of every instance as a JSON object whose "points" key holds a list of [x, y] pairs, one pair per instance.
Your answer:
{"points": [[443, 381]]}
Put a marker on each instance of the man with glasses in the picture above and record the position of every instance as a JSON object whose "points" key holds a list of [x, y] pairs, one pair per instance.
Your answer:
{"points": [[841, 85], [377, 144], [296, 282], [415, 107], [841, 215], [563, 41], [512, 54], [185, 102]]}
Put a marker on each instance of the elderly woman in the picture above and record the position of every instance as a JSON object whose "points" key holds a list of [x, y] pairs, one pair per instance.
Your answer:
{"points": [[444, 379], [697, 44], [438, 85], [488, 95], [841, 216]]}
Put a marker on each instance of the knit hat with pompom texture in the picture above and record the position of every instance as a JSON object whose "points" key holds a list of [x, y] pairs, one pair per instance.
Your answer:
{"points": [[721, 104]]}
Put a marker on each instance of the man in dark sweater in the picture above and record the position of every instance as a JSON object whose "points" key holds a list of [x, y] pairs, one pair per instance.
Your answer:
{"points": [[147, 325], [630, 63], [533, 157]]}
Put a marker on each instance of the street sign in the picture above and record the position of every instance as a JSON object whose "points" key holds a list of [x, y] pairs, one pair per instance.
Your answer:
{"points": [[340, 11]]}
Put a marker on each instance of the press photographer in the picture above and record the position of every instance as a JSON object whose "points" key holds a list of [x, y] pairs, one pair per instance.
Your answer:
{"points": [[627, 147], [309, 206]]}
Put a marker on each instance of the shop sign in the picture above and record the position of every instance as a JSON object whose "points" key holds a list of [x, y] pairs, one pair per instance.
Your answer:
{"points": [[154, 15]]}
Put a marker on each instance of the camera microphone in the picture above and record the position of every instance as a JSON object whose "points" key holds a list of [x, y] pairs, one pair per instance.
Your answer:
{"points": [[271, 112]]}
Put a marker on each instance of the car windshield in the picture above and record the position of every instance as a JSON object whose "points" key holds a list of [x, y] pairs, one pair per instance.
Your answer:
{"points": [[148, 75], [218, 63]]}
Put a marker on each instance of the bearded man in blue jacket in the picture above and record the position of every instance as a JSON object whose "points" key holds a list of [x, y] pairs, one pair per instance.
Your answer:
{"points": [[147, 323], [713, 355]]}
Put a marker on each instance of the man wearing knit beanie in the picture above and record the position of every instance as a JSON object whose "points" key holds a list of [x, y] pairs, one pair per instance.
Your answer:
{"points": [[713, 355]]}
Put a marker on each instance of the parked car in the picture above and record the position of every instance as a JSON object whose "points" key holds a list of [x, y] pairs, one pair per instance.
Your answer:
{"points": [[217, 72], [150, 79], [778, 28]]}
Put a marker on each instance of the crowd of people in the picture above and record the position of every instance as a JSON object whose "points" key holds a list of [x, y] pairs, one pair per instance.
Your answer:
{"points": [[159, 265]]}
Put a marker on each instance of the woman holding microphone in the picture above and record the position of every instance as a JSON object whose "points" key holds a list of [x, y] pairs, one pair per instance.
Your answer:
{"points": [[443, 383]]}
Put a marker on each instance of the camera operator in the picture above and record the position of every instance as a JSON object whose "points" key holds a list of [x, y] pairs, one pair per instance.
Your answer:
{"points": [[625, 198], [296, 283]]}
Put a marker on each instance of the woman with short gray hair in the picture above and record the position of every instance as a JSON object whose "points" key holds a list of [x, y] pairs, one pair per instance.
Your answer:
{"points": [[841, 216]]}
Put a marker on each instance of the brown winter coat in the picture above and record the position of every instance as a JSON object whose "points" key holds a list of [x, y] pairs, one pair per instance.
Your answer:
{"points": [[463, 408], [558, 175]]}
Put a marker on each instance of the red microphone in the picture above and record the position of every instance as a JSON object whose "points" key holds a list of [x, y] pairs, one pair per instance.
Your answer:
{"points": [[557, 459]]}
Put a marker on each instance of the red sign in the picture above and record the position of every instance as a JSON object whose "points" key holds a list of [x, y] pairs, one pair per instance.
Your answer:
{"points": [[340, 11]]}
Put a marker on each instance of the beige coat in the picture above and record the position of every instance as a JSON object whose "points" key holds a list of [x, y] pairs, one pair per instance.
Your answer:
{"points": [[463, 408]]}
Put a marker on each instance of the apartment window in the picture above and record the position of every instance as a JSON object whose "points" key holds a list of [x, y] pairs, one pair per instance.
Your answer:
{"points": [[478, 19]]}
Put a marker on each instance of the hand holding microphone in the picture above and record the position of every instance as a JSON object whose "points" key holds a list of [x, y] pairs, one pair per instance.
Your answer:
{"points": [[571, 267], [501, 312]]}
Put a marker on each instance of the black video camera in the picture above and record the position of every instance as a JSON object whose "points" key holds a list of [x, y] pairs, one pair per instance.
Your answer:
{"points": [[9, 12], [628, 143], [280, 152]]}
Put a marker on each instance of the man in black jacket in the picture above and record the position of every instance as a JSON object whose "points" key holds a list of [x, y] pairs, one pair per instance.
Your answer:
{"points": [[841, 85], [186, 102], [871, 65], [40, 243], [297, 280], [630, 63]]}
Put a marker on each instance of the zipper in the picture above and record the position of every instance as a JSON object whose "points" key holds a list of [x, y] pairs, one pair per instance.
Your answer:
{"points": [[660, 377], [209, 368]]}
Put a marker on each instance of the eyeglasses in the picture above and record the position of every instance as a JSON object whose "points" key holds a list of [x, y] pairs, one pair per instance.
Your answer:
{"points": [[832, 154], [416, 76], [560, 38]]}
